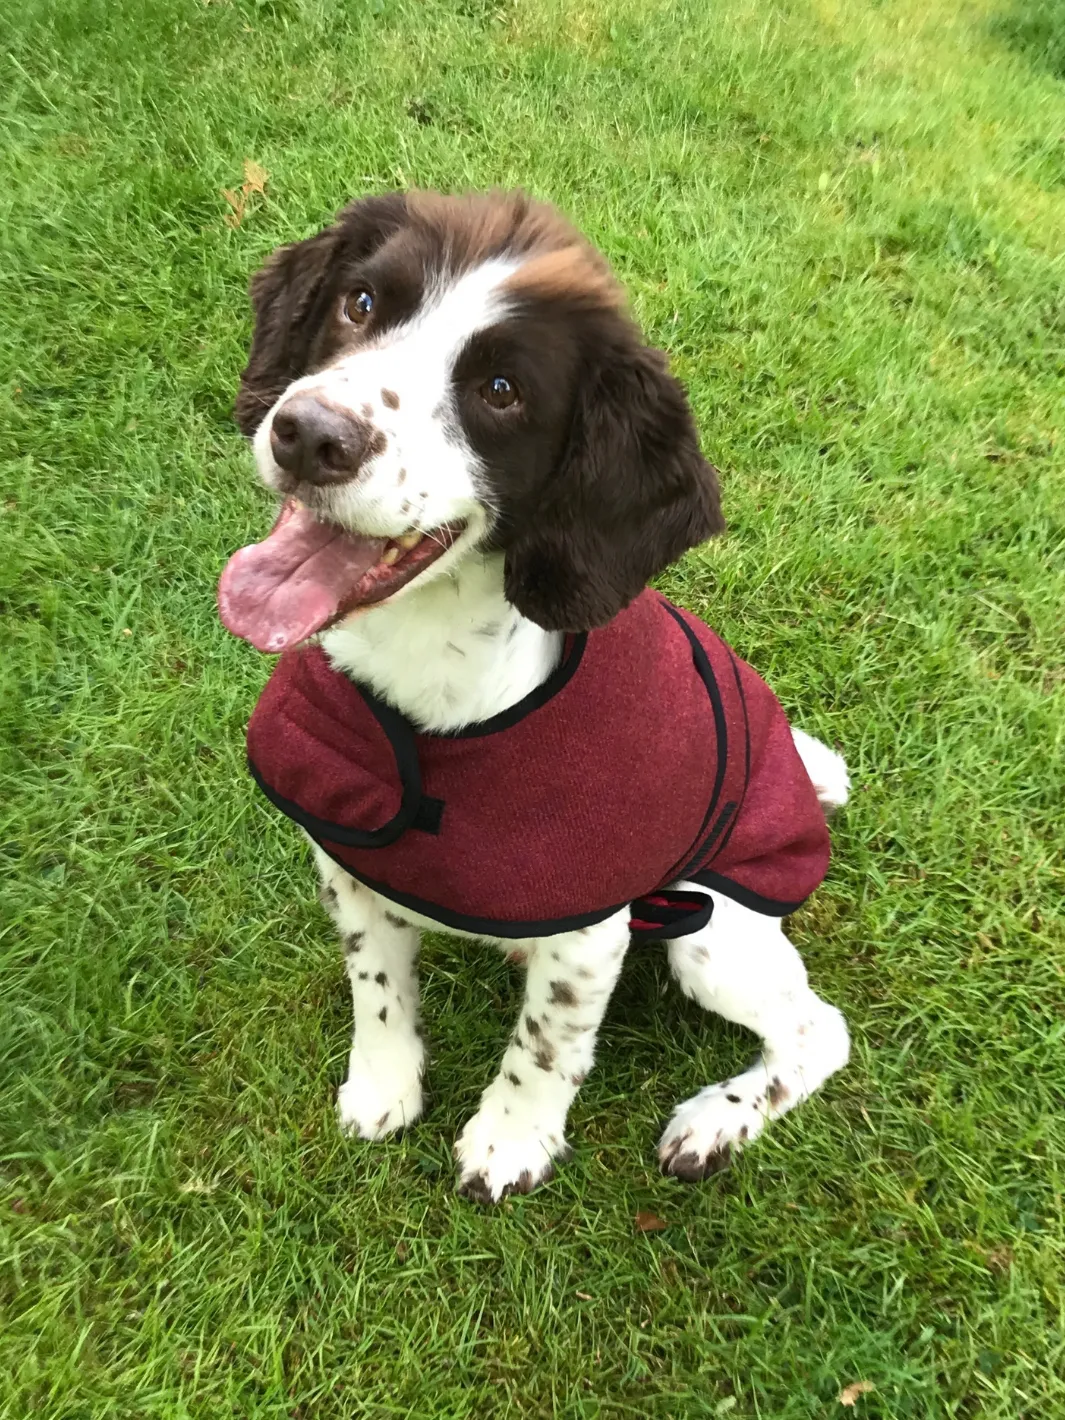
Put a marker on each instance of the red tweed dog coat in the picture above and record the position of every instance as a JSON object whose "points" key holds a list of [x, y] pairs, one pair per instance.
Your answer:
{"points": [[652, 754]]}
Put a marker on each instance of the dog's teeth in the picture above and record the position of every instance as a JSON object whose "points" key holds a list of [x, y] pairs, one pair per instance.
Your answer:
{"points": [[409, 540], [390, 555]]}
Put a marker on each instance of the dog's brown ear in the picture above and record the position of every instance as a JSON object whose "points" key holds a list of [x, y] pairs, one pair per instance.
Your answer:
{"points": [[630, 494], [289, 296]]}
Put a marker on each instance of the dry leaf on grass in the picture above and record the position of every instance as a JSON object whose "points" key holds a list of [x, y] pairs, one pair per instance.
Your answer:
{"points": [[850, 1393], [255, 178], [650, 1223]]}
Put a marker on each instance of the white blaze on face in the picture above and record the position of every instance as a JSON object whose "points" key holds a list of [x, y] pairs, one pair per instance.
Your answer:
{"points": [[428, 474]]}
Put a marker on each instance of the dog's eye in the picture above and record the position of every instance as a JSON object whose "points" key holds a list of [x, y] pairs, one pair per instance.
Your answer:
{"points": [[499, 392], [359, 305]]}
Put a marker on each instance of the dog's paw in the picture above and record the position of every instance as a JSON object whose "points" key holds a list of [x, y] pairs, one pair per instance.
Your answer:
{"points": [[707, 1130], [500, 1153], [372, 1106]]}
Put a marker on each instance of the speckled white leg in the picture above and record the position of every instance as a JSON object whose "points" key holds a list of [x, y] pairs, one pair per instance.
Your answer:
{"points": [[742, 966], [383, 1089], [520, 1128]]}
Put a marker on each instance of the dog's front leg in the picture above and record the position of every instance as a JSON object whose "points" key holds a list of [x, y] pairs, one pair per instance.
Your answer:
{"points": [[383, 1089], [520, 1128]]}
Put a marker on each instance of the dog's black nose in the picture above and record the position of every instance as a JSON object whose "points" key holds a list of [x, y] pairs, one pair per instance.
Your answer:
{"points": [[317, 442]]}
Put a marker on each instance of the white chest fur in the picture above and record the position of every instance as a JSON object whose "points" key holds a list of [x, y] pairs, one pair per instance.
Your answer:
{"points": [[449, 653]]}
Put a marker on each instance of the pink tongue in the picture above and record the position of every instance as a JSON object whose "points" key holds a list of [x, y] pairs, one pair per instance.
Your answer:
{"points": [[278, 592]]}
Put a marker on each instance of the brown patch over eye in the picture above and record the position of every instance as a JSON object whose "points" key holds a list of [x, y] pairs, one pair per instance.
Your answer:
{"points": [[499, 392], [359, 305]]}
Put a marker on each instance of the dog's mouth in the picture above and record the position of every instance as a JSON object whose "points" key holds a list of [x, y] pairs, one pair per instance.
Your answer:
{"points": [[308, 574]]}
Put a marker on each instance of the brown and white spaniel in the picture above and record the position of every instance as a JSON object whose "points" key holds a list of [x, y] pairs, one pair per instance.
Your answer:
{"points": [[481, 466]]}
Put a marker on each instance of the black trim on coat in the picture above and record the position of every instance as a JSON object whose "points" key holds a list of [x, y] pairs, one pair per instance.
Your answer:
{"points": [[706, 674], [746, 756], [404, 748], [478, 926], [767, 906], [540, 695]]}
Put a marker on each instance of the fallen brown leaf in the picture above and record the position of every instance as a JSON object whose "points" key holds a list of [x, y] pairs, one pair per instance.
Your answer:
{"points": [[255, 177], [236, 200], [650, 1223], [1000, 1259], [850, 1393]]}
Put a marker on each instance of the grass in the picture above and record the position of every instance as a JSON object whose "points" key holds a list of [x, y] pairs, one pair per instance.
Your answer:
{"points": [[843, 219]]}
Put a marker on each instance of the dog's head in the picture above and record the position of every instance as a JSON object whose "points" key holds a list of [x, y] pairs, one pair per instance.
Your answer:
{"points": [[437, 374]]}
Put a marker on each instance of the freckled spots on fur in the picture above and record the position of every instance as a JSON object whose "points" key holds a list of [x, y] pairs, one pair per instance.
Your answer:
{"points": [[585, 974], [452, 647], [532, 1026], [514, 1080], [381, 979], [424, 497], [353, 943], [487, 628], [383, 1120], [519, 1042], [555, 956], [513, 630], [396, 921], [562, 994], [364, 976], [545, 1057], [390, 399], [700, 954], [733, 1099], [744, 1131], [327, 895], [579, 1078], [382, 1014], [378, 444], [491, 1150], [405, 507], [367, 411], [776, 1093]]}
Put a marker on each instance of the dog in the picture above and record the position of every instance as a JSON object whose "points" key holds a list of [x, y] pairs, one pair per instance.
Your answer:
{"points": [[483, 718]]}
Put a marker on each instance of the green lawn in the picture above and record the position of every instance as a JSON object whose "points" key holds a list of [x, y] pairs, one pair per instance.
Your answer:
{"points": [[844, 219]]}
